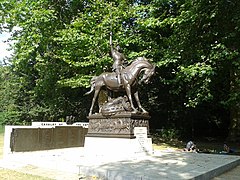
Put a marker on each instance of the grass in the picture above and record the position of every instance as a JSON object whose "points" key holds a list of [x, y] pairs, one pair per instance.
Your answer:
{"points": [[1, 141], [6, 174], [205, 145]]}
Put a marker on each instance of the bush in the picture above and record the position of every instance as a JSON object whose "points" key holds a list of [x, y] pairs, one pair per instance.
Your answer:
{"points": [[165, 134]]}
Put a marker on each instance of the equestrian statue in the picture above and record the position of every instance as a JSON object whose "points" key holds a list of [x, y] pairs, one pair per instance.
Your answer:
{"points": [[122, 79]]}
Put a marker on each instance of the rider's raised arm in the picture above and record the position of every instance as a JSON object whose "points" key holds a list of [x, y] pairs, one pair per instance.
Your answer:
{"points": [[110, 41], [111, 45]]}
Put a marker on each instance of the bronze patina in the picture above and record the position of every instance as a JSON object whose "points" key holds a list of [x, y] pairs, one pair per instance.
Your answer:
{"points": [[129, 76], [119, 59], [122, 79], [117, 115]]}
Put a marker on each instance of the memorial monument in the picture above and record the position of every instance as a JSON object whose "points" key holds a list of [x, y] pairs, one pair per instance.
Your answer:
{"points": [[117, 117]]}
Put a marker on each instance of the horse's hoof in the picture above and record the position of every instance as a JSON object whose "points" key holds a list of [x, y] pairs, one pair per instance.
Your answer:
{"points": [[144, 111], [135, 111]]}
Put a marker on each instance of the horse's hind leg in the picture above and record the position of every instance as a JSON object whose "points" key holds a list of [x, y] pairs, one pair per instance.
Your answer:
{"points": [[97, 90]]}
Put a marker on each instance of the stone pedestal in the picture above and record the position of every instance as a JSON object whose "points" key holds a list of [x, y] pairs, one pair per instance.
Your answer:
{"points": [[116, 126], [118, 137]]}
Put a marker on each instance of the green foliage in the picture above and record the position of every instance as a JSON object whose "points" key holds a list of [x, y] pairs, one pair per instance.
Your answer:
{"points": [[166, 135], [60, 45], [9, 88], [169, 134]]}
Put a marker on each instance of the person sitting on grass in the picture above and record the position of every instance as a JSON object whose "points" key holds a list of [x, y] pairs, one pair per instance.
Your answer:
{"points": [[191, 147], [227, 149]]}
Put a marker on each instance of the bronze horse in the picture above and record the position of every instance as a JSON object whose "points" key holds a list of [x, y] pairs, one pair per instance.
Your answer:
{"points": [[129, 77]]}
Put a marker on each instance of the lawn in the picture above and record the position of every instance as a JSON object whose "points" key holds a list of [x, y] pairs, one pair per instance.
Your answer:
{"points": [[1, 141], [204, 145]]}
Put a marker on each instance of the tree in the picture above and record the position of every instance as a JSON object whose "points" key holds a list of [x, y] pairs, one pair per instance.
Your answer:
{"points": [[34, 61], [203, 56], [9, 88], [60, 45]]}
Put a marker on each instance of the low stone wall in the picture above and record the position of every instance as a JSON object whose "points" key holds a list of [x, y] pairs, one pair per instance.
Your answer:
{"points": [[29, 138]]}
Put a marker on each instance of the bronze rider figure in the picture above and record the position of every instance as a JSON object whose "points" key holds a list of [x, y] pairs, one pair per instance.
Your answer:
{"points": [[118, 58]]}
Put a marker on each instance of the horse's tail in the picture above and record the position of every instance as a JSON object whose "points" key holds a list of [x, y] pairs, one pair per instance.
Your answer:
{"points": [[93, 80]]}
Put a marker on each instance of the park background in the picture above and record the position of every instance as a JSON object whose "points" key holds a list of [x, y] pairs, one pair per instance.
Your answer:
{"points": [[57, 46]]}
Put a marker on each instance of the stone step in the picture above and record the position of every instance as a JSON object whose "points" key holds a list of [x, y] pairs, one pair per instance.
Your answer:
{"points": [[230, 175], [169, 164]]}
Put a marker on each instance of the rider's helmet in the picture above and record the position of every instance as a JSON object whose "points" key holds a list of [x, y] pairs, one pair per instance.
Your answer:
{"points": [[118, 48]]}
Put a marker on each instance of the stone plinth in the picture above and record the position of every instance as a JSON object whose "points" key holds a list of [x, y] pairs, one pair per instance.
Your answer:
{"points": [[117, 137], [116, 126]]}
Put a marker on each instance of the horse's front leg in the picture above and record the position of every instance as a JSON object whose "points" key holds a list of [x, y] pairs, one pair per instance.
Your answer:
{"points": [[129, 94], [138, 102]]}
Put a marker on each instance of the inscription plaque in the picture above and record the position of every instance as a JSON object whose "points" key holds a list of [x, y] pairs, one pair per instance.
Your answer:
{"points": [[46, 137], [142, 137], [24, 139], [60, 136], [33, 139], [73, 136]]}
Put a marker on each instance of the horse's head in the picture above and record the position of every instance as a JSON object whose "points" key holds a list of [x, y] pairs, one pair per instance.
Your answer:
{"points": [[148, 72], [139, 65]]}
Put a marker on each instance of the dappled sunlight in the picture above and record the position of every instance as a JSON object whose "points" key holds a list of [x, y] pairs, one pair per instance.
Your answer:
{"points": [[165, 162], [173, 165]]}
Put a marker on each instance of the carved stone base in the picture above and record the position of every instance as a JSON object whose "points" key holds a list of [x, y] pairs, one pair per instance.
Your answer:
{"points": [[118, 125]]}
